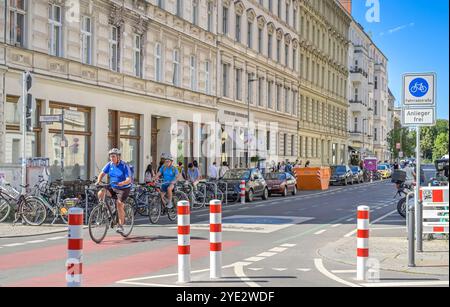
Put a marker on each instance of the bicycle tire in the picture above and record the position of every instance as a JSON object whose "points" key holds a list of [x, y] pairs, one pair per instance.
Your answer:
{"points": [[5, 210], [199, 200], [36, 212], [129, 220], [154, 210], [99, 216], [173, 212]]}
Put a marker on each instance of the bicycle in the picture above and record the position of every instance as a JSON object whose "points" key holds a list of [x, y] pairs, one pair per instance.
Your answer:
{"points": [[27, 207], [197, 198], [419, 87], [213, 191], [139, 196], [53, 198], [157, 206], [105, 216]]}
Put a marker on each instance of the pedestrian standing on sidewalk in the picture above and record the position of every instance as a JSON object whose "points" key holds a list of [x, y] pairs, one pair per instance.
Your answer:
{"points": [[213, 172], [307, 164], [197, 167], [223, 169]]}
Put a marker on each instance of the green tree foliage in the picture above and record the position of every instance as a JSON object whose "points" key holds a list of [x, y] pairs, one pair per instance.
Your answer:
{"points": [[429, 136], [440, 146], [403, 136]]}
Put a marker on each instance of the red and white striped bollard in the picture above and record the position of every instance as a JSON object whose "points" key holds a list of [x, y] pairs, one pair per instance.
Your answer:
{"points": [[242, 186], [184, 242], [215, 238], [74, 264], [362, 242]]}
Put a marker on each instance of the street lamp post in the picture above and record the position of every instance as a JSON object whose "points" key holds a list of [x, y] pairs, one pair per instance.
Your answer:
{"points": [[247, 160], [364, 139]]}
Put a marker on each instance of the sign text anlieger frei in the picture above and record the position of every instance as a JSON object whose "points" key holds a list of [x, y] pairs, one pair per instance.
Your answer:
{"points": [[419, 117]]}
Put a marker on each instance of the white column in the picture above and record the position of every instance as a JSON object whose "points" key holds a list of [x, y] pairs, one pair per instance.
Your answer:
{"points": [[99, 141]]}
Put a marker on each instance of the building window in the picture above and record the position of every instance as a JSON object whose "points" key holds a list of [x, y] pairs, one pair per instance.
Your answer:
{"points": [[17, 21], [294, 59], [86, 40], [268, 140], [176, 68], [284, 144], [238, 28], [158, 63], [260, 40], [356, 124], [225, 21], [269, 45], [376, 83], [279, 89], [279, 51], [269, 94], [210, 16], [286, 55], [161, 4], [179, 8], [260, 91], [124, 133], [375, 134], [376, 107], [77, 134], [195, 12], [207, 77], [288, 12], [225, 79], [193, 72], [238, 85], [137, 55], [286, 100], [250, 35], [55, 30], [250, 88], [114, 48]]}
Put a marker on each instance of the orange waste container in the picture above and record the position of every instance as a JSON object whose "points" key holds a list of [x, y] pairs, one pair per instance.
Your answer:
{"points": [[313, 178]]}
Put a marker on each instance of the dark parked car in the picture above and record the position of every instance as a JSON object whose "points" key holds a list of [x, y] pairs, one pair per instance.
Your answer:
{"points": [[255, 185], [341, 174], [281, 183], [358, 174]]}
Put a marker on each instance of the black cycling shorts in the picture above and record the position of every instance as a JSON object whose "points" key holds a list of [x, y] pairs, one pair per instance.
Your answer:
{"points": [[120, 194]]}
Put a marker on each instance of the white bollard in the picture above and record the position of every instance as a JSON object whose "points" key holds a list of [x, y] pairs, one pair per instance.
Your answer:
{"points": [[215, 238], [74, 264], [362, 242], [184, 242], [242, 186]]}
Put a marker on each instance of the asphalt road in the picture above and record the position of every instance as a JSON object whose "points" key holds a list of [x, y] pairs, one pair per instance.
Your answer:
{"points": [[266, 244]]}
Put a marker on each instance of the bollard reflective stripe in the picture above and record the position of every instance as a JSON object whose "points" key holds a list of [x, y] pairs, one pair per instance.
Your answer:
{"points": [[362, 247], [215, 239], [242, 194], [74, 265], [184, 242]]}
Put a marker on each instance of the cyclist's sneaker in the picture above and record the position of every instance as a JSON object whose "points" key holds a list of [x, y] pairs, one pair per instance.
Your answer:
{"points": [[170, 205], [120, 229]]}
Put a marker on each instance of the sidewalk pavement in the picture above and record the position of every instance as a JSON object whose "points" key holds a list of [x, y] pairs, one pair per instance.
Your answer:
{"points": [[9, 231], [392, 253]]}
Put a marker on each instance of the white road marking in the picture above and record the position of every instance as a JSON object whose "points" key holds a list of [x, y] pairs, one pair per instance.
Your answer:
{"points": [[255, 259], [239, 271], [349, 220], [407, 284], [35, 241], [304, 270], [319, 265], [266, 254], [288, 245], [56, 238], [320, 232], [278, 249], [280, 269], [343, 271], [255, 269], [377, 220], [14, 244], [336, 225]]}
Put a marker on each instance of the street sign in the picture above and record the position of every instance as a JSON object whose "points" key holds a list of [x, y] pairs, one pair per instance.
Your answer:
{"points": [[419, 90], [401, 154], [399, 146], [50, 118], [419, 117]]}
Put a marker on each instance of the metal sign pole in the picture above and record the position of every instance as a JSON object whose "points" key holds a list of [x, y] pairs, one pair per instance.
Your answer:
{"points": [[24, 132], [418, 206], [63, 145]]}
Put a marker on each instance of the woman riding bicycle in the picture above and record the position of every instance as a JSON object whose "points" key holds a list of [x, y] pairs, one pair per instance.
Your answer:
{"points": [[170, 176]]}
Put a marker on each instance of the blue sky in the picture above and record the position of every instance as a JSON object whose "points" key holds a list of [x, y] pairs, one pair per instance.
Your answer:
{"points": [[414, 35]]}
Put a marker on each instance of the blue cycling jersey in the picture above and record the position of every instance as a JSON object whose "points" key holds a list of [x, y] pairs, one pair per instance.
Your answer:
{"points": [[117, 173]]}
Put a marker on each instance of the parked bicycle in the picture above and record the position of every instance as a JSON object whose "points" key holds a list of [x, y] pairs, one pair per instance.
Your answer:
{"points": [[30, 209], [105, 216]]}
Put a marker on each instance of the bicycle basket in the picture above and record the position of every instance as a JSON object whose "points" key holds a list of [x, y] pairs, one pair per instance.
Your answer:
{"points": [[11, 191], [71, 202]]}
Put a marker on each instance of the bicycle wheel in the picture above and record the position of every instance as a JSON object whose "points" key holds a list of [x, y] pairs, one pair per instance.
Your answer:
{"points": [[199, 200], [129, 220], [173, 213], [33, 211], [99, 223], [154, 211], [5, 209]]}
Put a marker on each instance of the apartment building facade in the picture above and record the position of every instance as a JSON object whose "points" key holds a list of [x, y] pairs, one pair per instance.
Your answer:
{"points": [[139, 75], [324, 28]]}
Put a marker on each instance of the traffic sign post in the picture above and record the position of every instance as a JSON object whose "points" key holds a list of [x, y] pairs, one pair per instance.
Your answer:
{"points": [[419, 110]]}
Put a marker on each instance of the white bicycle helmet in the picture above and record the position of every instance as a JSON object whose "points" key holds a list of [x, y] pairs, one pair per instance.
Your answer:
{"points": [[169, 157], [115, 151]]}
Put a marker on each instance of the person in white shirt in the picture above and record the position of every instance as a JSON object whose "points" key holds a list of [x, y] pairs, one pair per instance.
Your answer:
{"points": [[213, 172], [223, 169]]}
